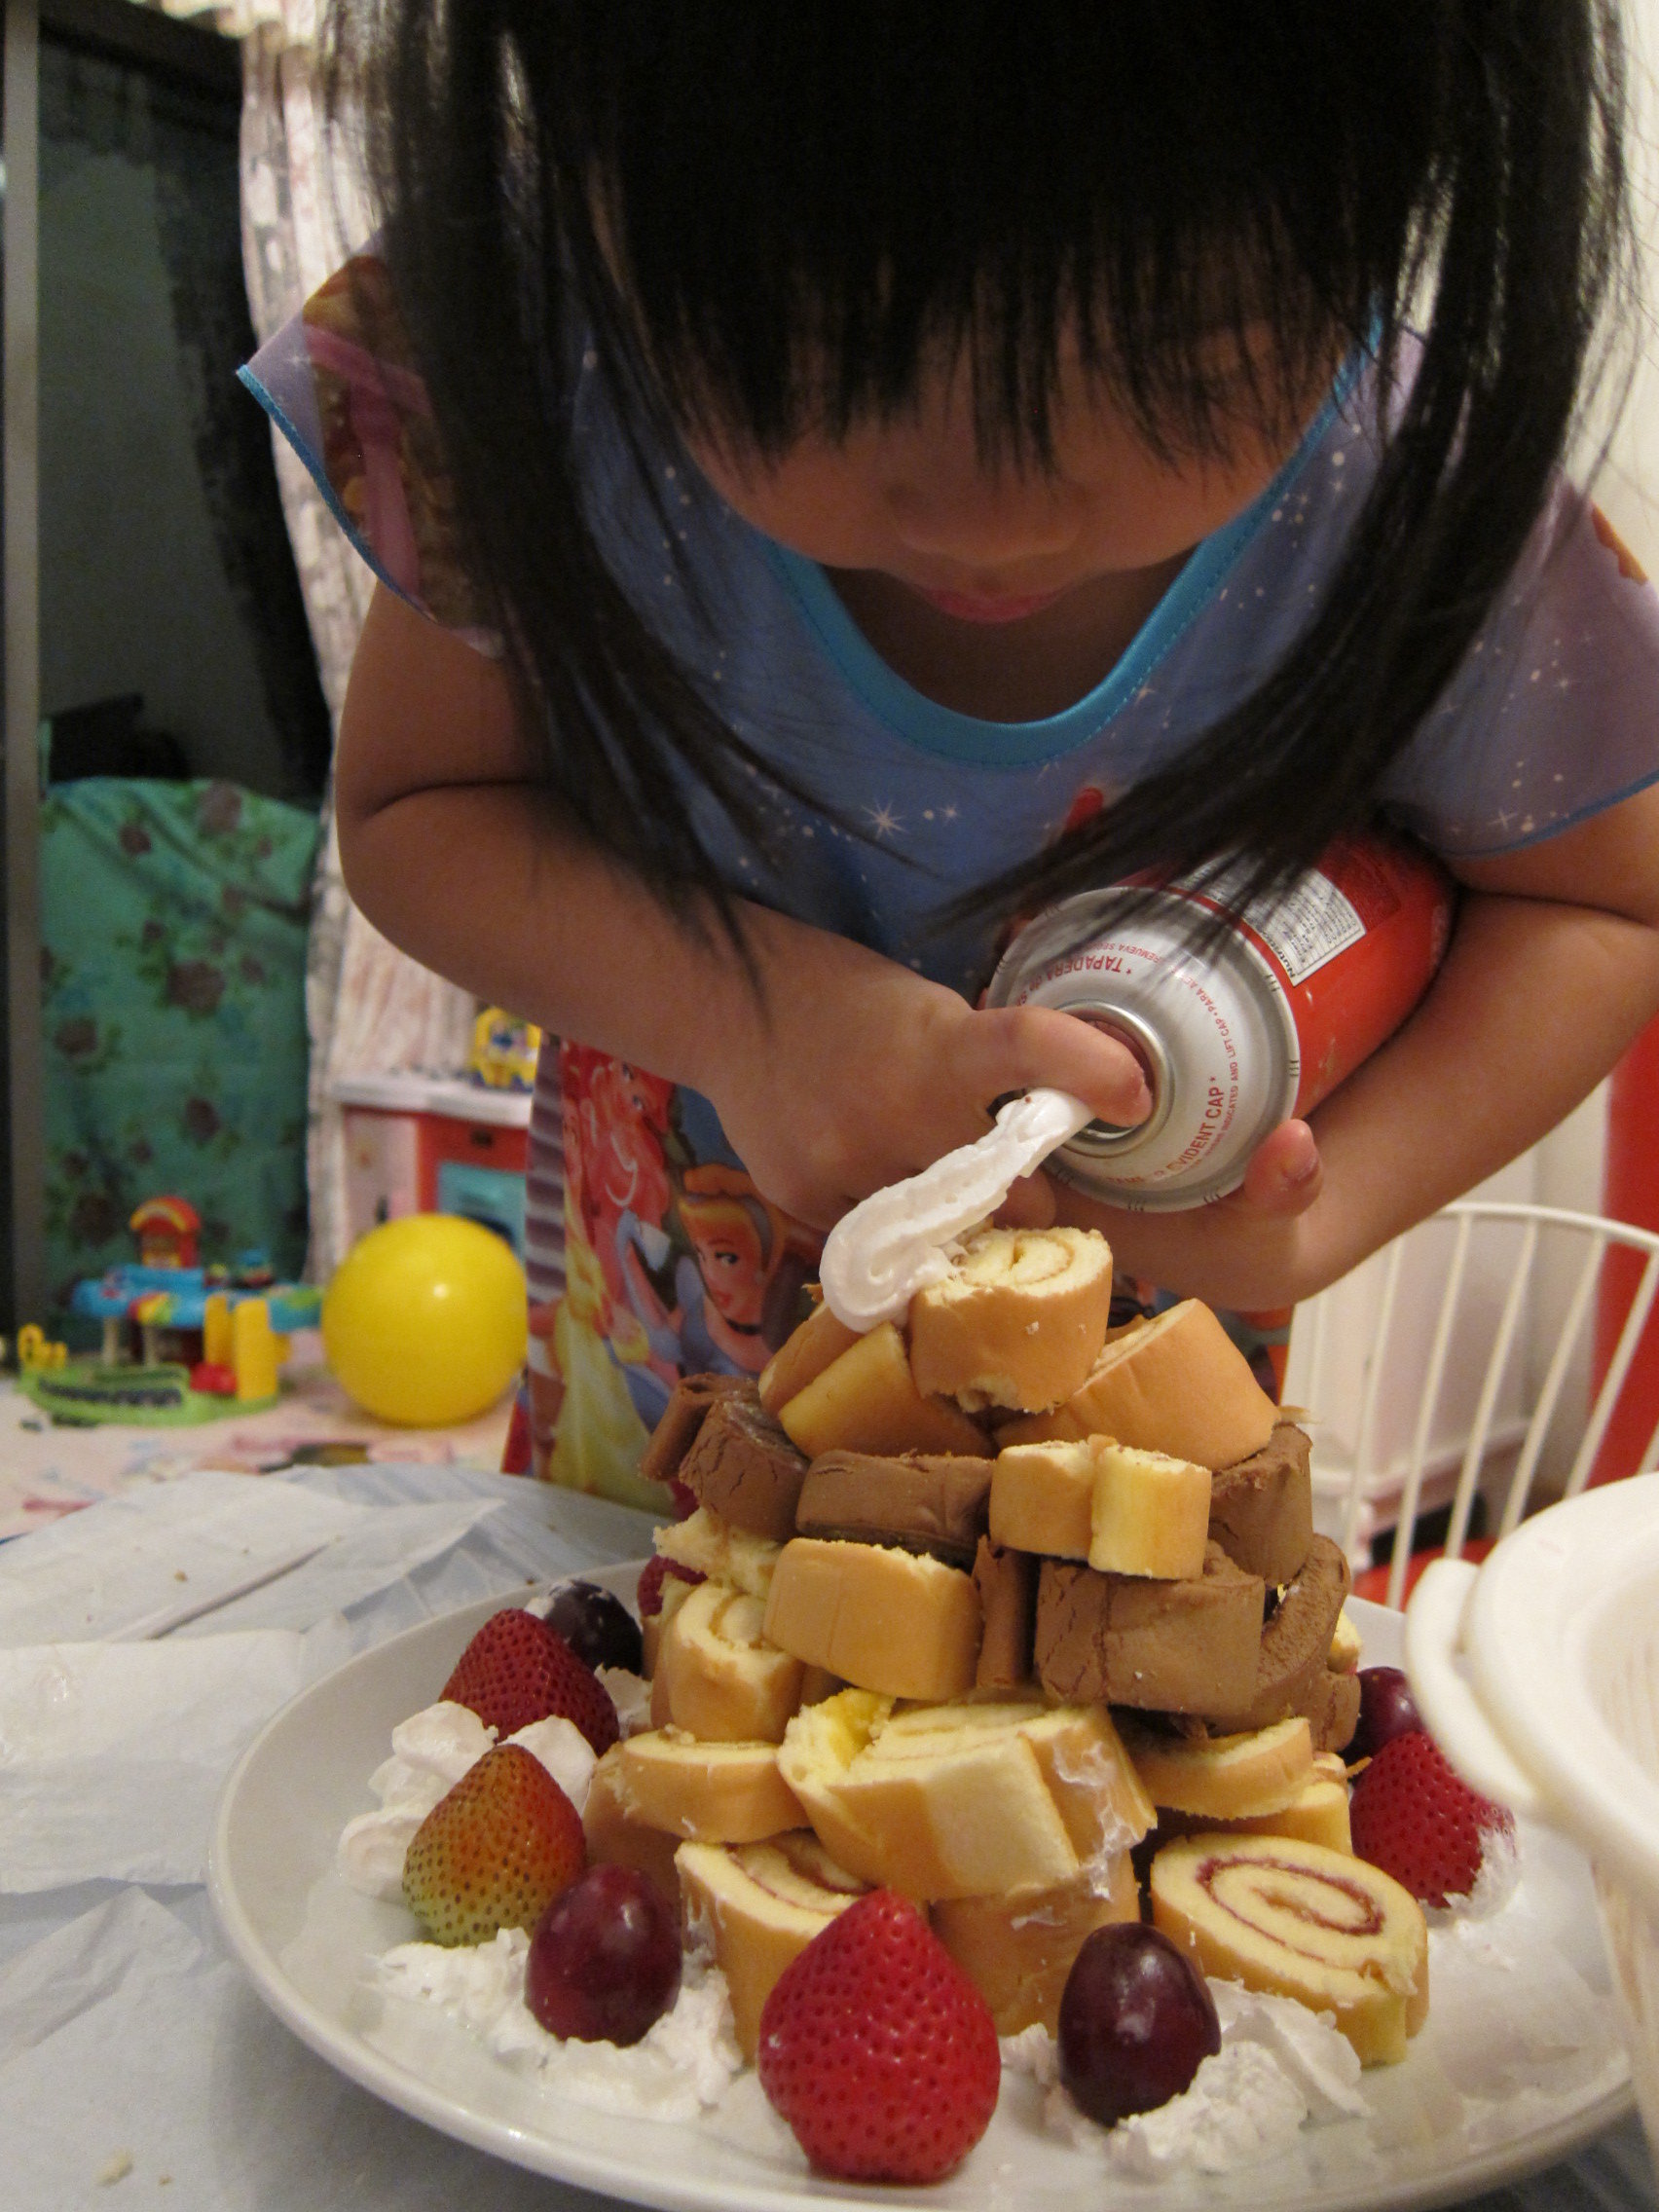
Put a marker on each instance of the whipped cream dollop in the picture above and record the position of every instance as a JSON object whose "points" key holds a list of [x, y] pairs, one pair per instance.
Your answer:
{"points": [[631, 1695], [1241, 2107], [896, 1241], [430, 1752], [1279, 2066], [684, 2064]]}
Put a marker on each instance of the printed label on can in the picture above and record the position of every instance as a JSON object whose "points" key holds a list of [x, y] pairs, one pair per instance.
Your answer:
{"points": [[1234, 1035], [1303, 927], [1310, 924]]}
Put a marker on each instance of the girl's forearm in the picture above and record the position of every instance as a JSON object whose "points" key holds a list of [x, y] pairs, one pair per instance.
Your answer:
{"points": [[485, 885], [1534, 1003], [454, 851], [849, 1071]]}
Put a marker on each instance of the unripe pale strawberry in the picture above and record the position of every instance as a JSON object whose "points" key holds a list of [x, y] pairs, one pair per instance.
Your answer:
{"points": [[495, 1852]]}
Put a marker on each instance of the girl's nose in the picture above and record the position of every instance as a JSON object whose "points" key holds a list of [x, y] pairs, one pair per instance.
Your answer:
{"points": [[985, 522]]}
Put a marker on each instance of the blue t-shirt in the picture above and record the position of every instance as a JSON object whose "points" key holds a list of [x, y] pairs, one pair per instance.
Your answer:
{"points": [[1550, 719]]}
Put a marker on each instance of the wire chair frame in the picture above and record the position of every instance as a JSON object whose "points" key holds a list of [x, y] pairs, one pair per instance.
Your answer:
{"points": [[1465, 1217]]}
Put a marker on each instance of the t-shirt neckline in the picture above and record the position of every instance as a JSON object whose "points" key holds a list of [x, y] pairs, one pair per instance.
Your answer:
{"points": [[957, 736]]}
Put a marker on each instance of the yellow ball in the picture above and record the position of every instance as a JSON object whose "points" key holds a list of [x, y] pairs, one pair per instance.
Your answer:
{"points": [[423, 1323]]}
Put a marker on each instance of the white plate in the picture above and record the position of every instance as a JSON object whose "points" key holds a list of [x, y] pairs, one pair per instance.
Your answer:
{"points": [[1519, 2062]]}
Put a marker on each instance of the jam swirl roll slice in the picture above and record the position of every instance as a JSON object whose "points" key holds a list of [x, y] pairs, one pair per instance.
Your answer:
{"points": [[759, 1904], [1298, 1920]]}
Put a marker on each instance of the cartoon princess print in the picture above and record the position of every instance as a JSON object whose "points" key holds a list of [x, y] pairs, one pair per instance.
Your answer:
{"points": [[750, 1260], [617, 1129]]}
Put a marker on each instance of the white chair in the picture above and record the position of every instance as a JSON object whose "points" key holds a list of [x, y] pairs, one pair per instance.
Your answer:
{"points": [[1484, 1314]]}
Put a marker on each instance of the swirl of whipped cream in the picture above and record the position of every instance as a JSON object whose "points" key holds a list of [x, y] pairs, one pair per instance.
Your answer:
{"points": [[892, 1243]]}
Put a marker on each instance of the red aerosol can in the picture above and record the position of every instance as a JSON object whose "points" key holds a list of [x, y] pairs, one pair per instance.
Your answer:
{"points": [[1238, 1027]]}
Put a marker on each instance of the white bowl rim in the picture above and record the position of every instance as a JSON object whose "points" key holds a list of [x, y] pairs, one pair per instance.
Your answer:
{"points": [[1533, 1611]]}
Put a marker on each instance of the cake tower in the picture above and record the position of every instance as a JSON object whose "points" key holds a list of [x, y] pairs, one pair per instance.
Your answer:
{"points": [[1020, 1616]]}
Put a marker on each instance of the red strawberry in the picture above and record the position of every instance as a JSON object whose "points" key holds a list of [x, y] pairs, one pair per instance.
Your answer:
{"points": [[1419, 1821], [652, 1575], [878, 2049], [517, 1670], [495, 1852]]}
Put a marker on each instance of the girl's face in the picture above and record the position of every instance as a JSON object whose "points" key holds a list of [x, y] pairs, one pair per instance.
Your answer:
{"points": [[911, 499]]}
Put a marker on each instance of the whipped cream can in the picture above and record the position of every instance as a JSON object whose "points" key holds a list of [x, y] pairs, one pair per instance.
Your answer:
{"points": [[1240, 1018]]}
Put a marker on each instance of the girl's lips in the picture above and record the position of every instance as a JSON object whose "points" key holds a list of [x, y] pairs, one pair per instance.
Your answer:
{"points": [[975, 607]]}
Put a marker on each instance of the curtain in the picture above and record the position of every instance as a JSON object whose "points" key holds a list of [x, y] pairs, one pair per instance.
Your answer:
{"points": [[369, 1009], [134, 163]]}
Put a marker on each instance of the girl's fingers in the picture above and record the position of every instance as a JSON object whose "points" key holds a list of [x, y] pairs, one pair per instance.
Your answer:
{"points": [[1019, 1047], [1285, 1172], [948, 1083]]}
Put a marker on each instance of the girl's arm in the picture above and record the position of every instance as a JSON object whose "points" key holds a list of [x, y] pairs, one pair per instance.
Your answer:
{"points": [[854, 1073], [1552, 970]]}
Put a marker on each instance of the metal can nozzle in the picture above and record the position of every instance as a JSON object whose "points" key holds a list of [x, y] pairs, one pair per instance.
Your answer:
{"points": [[1102, 1139]]}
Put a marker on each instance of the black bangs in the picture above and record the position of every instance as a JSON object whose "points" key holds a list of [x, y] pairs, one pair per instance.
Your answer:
{"points": [[809, 209], [764, 218]]}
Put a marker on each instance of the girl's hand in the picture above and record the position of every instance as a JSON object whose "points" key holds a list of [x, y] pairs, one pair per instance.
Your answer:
{"points": [[858, 1073], [1246, 1251], [1569, 923]]}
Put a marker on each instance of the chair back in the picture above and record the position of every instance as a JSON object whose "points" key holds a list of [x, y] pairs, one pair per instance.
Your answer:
{"points": [[1461, 1313]]}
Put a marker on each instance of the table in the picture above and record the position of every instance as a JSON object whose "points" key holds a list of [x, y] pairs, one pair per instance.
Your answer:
{"points": [[138, 2068], [47, 1471]]}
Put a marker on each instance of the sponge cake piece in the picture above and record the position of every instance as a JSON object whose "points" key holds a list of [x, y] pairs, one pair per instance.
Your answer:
{"points": [[1019, 1320], [1178, 1385]]}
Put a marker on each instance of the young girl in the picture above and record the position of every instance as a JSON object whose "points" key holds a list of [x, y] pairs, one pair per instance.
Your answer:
{"points": [[845, 475]]}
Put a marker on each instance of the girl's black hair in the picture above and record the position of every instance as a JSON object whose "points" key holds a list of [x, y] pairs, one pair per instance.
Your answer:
{"points": [[763, 217]]}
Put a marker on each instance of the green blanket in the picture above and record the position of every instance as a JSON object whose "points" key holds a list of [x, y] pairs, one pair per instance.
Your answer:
{"points": [[173, 924]]}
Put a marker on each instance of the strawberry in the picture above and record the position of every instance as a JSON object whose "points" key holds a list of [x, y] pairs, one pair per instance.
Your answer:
{"points": [[495, 1852], [1421, 1822], [517, 1670], [878, 2049], [654, 1574]]}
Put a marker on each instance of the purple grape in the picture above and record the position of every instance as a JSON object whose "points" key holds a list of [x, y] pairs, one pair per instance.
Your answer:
{"points": [[1387, 1710], [598, 1627], [604, 1959], [1137, 2022]]}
